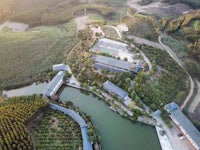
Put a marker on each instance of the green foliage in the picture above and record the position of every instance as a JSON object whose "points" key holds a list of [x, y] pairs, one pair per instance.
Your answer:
{"points": [[193, 68], [193, 3], [165, 88], [14, 114], [25, 55], [145, 2], [56, 131], [58, 14], [142, 26], [179, 47]]}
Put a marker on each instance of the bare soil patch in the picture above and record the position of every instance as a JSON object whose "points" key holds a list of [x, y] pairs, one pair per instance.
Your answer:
{"points": [[82, 22], [15, 26], [160, 9]]}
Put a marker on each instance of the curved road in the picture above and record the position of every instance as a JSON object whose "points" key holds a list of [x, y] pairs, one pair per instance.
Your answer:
{"points": [[115, 28], [181, 64]]}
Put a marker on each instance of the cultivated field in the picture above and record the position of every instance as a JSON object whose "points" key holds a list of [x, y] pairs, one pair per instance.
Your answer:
{"points": [[24, 55], [56, 131], [14, 114]]}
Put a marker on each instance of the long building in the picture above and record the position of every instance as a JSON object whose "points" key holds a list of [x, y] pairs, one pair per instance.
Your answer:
{"points": [[184, 124], [109, 46], [113, 89], [59, 67], [54, 84], [112, 64]]}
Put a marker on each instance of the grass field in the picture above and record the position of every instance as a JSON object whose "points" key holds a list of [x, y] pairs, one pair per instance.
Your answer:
{"points": [[56, 131], [24, 55]]}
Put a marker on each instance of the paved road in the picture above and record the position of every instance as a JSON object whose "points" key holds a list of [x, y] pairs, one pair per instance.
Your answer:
{"points": [[140, 40], [196, 99]]}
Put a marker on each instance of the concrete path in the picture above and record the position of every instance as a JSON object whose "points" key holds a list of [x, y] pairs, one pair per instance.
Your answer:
{"points": [[164, 141], [86, 143], [147, 60], [196, 99], [140, 40], [172, 134]]}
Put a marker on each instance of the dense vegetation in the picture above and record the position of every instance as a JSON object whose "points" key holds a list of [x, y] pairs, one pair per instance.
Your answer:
{"points": [[141, 26], [56, 131], [180, 47], [14, 114], [60, 14], [47, 12], [185, 28], [184, 38], [168, 85], [193, 3], [25, 56]]}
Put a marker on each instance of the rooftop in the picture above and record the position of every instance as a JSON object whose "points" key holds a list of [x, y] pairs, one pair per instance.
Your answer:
{"points": [[109, 46], [115, 89], [54, 83], [183, 121], [113, 62], [59, 67]]}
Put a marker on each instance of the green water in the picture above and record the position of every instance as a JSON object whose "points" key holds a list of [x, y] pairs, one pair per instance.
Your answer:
{"points": [[116, 132]]}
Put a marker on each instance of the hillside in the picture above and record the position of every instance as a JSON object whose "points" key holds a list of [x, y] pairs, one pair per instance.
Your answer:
{"points": [[193, 3], [25, 55], [183, 36]]}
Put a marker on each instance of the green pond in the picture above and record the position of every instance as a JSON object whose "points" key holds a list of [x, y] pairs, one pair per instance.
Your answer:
{"points": [[116, 133]]}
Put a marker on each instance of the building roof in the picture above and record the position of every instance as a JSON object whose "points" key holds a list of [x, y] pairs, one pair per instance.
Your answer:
{"points": [[113, 62], [109, 86], [181, 120], [59, 67], [171, 106], [54, 83], [137, 66], [109, 46]]}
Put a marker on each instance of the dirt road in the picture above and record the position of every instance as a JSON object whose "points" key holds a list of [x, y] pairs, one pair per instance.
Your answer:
{"points": [[181, 64]]}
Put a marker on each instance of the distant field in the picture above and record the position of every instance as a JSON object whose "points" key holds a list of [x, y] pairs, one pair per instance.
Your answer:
{"points": [[24, 55]]}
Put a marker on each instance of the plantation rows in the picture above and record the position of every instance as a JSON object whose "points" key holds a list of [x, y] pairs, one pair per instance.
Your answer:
{"points": [[14, 113], [57, 131], [171, 83], [26, 56]]}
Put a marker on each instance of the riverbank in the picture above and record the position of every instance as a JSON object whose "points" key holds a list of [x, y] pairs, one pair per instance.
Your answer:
{"points": [[140, 119], [111, 126], [86, 143]]}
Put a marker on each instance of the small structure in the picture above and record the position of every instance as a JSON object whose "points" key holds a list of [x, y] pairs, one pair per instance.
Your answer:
{"points": [[59, 67], [184, 124], [54, 84], [112, 88], [137, 66], [122, 27], [112, 64]]}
